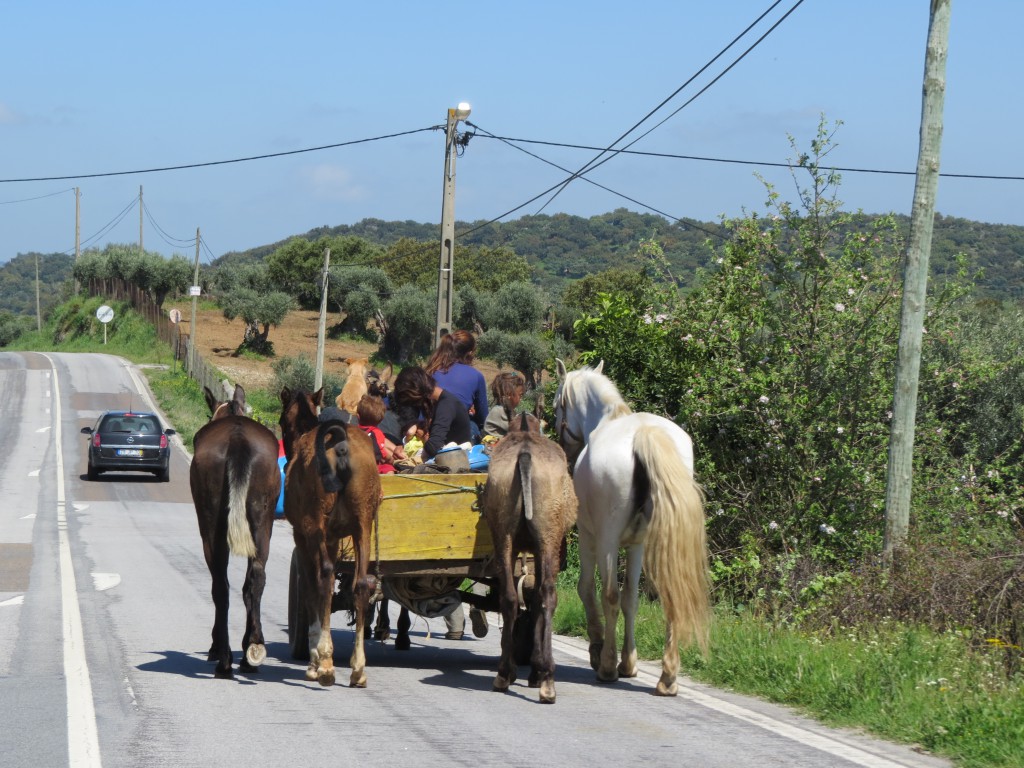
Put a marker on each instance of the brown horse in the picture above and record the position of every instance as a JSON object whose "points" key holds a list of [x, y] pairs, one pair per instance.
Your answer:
{"points": [[529, 505], [332, 490], [235, 483]]}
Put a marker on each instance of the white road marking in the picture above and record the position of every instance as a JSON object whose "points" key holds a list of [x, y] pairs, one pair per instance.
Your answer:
{"points": [[28, 517], [34, 473], [103, 581], [80, 507], [13, 601], [83, 739], [788, 730], [42, 429]]}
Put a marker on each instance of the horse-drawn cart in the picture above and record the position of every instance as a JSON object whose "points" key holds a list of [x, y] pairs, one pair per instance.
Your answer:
{"points": [[428, 531]]}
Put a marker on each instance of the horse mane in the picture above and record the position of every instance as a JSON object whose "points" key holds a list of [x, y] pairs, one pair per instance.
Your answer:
{"points": [[606, 392]]}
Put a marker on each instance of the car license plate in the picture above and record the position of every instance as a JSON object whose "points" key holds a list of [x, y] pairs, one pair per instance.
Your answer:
{"points": [[129, 452]]}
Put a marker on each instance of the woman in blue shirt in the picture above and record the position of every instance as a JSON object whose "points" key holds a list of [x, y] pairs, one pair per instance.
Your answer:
{"points": [[451, 365]]}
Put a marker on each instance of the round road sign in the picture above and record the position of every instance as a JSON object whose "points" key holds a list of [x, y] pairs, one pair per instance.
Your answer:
{"points": [[104, 314], [174, 315]]}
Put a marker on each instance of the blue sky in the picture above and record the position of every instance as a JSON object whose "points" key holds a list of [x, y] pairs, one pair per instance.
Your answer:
{"points": [[98, 88]]}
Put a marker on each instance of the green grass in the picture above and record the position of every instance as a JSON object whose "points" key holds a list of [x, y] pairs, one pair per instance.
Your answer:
{"points": [[904, 684]]}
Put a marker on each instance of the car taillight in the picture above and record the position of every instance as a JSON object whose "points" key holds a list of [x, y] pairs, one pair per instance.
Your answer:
{"points": [[96, 440], [163, 441]]}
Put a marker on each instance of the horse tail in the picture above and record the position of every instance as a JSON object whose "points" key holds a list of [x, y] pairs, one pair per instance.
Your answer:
{"points": [[675, 549], [525, 465], [239, 472], [332, 435]]}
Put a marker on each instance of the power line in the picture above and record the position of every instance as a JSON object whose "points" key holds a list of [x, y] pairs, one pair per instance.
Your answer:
{"points": [[179, 242], [38, 197], [593, 163], [223, 162], [767, 163]]}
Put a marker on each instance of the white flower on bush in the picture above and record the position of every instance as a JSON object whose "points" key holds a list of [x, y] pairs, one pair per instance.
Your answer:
{"points": [[849, 291], [840, 430], [773, 526], [763, 399], [840, 307], [1003, 513], [828, 530]]}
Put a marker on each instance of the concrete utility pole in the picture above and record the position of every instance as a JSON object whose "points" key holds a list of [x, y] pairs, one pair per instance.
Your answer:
{"points": [[446, 274], [39, 317], [318, 378], [192, 327], [915, 284]]}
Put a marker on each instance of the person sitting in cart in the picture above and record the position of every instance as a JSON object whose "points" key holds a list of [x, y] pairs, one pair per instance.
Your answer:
{"points": [[370, 411], [445, 415]]}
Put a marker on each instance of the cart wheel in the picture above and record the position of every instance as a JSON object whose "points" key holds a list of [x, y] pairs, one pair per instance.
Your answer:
{"points": [[298, 625], [522, 637]]}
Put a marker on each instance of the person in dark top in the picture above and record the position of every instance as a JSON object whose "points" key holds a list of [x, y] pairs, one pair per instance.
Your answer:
{"points": [[451, 365], [445, 414]]}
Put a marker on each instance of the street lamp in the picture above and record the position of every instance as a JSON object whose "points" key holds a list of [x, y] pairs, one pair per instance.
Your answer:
{"points": [[445, 273]]}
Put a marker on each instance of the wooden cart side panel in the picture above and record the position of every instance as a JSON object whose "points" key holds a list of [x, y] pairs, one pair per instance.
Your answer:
{"points": [[431, 517]]}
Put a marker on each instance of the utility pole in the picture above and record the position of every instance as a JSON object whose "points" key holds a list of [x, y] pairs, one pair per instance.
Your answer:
{"points": [[141, 252], [318, 378], [78, 230], [445, 279], [39, 317], [915, 283], [194, 290]]}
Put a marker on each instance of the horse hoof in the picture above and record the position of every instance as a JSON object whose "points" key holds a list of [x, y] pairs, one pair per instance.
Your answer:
{"points": [[595, 655], [357, 680], [607, 677], [223, 674], [245, 666], [382, 634], [501, 684], [547, 692], [403, 643], [666, 690], [326, 678], [627, 670], [256, 654]]}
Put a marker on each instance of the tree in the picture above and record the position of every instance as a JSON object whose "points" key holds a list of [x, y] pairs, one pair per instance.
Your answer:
{"points": [[296, 267], [526, 352], [408, 326], [256, 309], [581, 296], [359, 293], [517, 308]]}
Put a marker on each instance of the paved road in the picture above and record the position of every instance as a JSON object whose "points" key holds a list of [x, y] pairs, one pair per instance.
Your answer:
{"points": [[105, 619]]}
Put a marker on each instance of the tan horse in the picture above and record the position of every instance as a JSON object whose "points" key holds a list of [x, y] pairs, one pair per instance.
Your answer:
{"points": [[332, 490], [235, 483], [529, 505]]}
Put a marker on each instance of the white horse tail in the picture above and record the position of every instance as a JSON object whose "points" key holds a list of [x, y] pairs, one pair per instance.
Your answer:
{"points": [[525, 465], [240, 540], [675, 549]]}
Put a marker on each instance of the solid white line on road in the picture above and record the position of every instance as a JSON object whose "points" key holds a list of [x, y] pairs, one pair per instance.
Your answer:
{"points": [[83, 739], [13, 601], [788, 730]]}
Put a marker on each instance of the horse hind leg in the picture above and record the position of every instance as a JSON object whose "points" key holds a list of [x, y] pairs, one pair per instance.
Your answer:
{"points": [[607, 670], [220, 647], [402, 640], [542, 674], [668, 685], [630, 598], [587, 591], [509, 606]]}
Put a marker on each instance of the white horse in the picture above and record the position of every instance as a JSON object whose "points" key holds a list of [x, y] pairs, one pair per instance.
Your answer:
{"points": [[633, 475]]}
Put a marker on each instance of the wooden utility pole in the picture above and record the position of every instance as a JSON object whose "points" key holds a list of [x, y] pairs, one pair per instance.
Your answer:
{"points": [[915, 285], [39, 317], [78, 229], [141, 252], [318, 378], [192, 328]]}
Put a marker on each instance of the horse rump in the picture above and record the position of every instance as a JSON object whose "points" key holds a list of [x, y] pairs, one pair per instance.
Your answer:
{"points": [[334, 475]]}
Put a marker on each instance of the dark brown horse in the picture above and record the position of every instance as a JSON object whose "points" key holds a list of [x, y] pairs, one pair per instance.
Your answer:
{"points": [[332, 490], [235, 483], [529, 505]]}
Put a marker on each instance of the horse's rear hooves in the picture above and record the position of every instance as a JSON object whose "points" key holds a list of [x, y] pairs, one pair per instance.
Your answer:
{"points": [[326, 679], [547, 692], [383, 635], [357, 681], [666, 690], [607, 677], [595, 655], [501, 684], [403, 643], [256, 654]]}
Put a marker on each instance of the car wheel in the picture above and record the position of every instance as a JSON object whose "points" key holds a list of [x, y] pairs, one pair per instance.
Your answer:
{"points": [[93, 472], [165, 474]]}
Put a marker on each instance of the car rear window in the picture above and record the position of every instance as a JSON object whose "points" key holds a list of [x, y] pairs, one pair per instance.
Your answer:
{"points": [[132, 424]]}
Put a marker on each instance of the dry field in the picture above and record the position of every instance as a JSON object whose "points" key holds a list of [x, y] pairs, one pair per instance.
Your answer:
{"points": [[218, 338]]}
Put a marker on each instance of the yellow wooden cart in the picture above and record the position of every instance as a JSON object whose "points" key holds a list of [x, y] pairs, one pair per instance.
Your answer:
{"points": [[427, 526]]}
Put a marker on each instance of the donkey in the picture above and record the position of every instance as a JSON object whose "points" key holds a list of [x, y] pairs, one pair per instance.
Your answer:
{"points": [[332, 490], [529, 505], [235, 484]]}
